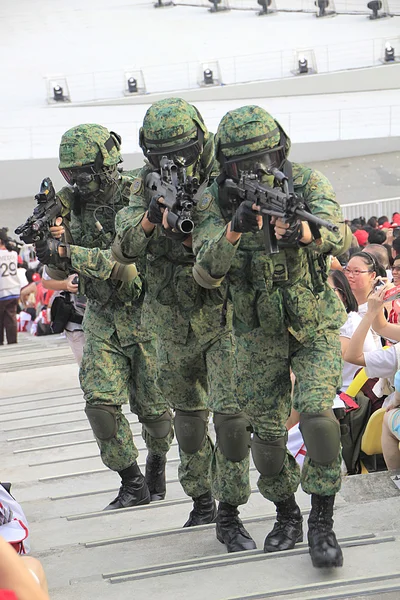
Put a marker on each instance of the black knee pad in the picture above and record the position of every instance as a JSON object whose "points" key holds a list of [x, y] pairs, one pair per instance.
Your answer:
{"points": [[158, 428], [233, 435], [102, 419], [321, 434], [190, 429], [268, 456]]}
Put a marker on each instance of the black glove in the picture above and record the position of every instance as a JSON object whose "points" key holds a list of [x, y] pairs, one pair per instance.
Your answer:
{"points": [[47, 251], [154, 213], [245, 218], [293, 234]]}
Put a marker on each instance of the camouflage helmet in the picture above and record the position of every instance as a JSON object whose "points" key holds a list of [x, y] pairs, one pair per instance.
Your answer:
{"points": [[172, 124], [249, 130], [89, 144]]}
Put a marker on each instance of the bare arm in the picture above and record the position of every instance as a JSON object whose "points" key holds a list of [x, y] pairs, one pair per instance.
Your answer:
{"points": [[16, 577]]}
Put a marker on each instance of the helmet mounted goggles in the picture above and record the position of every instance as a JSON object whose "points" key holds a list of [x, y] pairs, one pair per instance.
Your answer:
{"points": [[183, 155]]}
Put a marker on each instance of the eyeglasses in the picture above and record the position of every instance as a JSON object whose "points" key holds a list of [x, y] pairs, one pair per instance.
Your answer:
{"points": [[356, 272], [395, 268]]}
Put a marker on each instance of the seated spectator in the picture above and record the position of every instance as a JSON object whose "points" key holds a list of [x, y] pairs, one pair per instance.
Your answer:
{"points": [[383, 222], [373, 222], [361, 272], [380, 363], [395, 307], [381, 254], [361, 236], [376, 236]]}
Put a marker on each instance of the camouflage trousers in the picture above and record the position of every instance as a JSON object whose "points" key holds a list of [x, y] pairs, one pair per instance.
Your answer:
{"points": [[264, 392], [192, 377], [114, 375]]}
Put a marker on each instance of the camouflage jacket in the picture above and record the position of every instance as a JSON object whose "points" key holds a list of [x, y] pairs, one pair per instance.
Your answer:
{"points": [[113, 305], [174, 302], [284, 291]]}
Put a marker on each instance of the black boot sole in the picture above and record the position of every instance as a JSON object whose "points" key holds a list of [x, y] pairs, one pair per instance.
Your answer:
{"points": [[142, 502], [326, 562]]}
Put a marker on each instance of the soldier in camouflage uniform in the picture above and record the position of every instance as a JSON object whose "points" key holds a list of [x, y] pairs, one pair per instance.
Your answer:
{"points": [[194, 351], [285, 316], [119, 356]]}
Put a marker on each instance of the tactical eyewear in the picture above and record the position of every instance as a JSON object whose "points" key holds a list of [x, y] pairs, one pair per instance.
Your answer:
{"points": [[254, 162], [71, 175], [183, 155]]}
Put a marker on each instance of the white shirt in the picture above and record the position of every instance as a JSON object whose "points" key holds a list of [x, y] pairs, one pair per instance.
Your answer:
{"points": [[347, 330], [9, 281]]}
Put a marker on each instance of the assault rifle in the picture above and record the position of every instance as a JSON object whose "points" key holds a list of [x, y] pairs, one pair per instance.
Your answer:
{"points": [[36, 227], [277, 202], [178, 191]]}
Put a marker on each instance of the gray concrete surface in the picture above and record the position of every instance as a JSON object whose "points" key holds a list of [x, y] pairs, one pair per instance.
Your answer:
{"points": [[51, 458]]}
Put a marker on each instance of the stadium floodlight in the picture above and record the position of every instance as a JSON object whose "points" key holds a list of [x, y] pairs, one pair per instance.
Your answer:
{"points": [[58, 93], [326, 8], [389, 53], [132, 85], [303, 65], [376, 6], [209, 74], [57, 89], [208, 77], [133, 82], [217, 6]]}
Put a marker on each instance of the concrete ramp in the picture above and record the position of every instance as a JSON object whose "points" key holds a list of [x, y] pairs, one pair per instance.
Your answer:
{"points": [[49, 454]]}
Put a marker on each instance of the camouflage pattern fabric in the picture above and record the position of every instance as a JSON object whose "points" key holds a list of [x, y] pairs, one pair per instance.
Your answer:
{"points": [[119, 356], [280, 321], [194, 376], [80, 146], [193, 350], [113, 375]]}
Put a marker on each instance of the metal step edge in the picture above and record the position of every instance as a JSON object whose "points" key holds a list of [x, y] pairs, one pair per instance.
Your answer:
{"points": [[175, 530], [331, 584], [245, 558], [66, 460], [232, 558]]}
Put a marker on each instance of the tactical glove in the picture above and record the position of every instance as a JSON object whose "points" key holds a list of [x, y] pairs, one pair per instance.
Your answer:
{"points": [[47, 251], [154, 213], [245, 218]]}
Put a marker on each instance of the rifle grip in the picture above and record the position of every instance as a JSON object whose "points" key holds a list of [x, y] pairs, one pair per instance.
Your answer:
{"points": [[270, 241]]}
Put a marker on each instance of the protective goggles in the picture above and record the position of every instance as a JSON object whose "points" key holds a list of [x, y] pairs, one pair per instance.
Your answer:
{"points": [[71, 175], [183, 155], [254, 162]]}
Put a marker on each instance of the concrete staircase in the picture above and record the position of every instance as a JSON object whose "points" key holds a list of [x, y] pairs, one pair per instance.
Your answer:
{"points": [[49, 454]]}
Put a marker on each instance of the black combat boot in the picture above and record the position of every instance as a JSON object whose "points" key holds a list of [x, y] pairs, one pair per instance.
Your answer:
{"points": [[155, 475], [323, 545], [288, 529], [133, 491], [230, 529], [204, 511]]}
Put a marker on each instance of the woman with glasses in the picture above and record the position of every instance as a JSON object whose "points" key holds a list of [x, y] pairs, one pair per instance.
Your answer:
{"points": [[394, 312], [361, 272]]}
